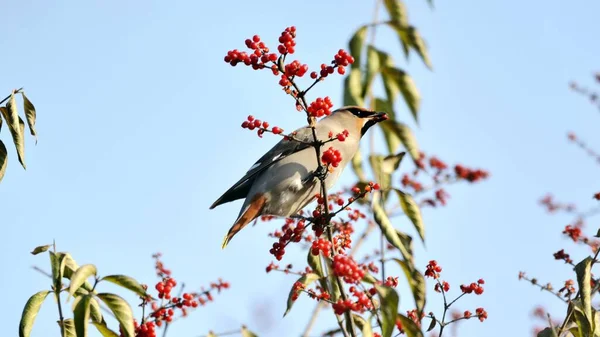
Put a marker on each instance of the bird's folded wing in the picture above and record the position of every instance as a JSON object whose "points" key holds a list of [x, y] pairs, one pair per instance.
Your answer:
{"points": [[282, 149]]}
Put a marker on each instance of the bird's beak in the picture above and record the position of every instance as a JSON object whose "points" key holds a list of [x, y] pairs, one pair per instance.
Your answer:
{"points": [[379, 117]]}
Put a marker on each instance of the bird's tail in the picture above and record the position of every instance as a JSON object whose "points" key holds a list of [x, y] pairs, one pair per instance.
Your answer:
{"points": [[250, 213]]}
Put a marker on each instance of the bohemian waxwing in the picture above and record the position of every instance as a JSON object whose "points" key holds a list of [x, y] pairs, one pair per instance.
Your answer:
{"points": [[283, 181]]}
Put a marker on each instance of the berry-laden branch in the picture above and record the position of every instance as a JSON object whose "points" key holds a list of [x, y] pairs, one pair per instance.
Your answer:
{"points": [[433, 270], [261, 58]]}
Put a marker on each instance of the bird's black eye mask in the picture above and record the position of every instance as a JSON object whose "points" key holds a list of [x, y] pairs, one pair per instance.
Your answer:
{"points": [[361, 113]]}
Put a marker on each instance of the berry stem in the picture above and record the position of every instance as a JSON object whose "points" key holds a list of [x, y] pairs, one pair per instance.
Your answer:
{"points": [[446, 306]]}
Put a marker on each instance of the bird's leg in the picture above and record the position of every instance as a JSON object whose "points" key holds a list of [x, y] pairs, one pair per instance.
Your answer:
{"points": [[320, 173]]}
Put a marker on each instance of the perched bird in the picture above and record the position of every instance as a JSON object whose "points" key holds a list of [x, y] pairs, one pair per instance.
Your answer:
{"points": [[285, 179]]}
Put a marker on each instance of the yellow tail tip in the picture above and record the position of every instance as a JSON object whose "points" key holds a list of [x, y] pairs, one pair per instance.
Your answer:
{"points": [[225, 241]]}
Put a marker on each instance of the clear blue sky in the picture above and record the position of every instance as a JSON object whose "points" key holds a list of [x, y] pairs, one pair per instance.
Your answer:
{"points": [[139, 132]]}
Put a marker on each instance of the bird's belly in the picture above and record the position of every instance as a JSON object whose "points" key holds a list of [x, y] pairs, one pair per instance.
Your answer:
{"points": [[288, 201]]}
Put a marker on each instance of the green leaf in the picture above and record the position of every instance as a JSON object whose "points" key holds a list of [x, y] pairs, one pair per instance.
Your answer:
{"points": [[584, 276], [127, 283], [3, 157], [80, 276], [432, 325], [353, 88], [400, 30], [397, 11], [306, 280], [389, 309], [391, 162], [406, 242], [336, 292], [104, 330], [373, 68], [389, 132], [407, 87], [392, 90], [16, 127], [408, 139], [40, 249], [121, 310], [357, 166], [412, 210], [30, 311], [81, 315], [69, 328], [68, 267], [387, 228], [56, 261], [247, 333], [368, 278], [383, 179], [416, 282], [29, 114], [410, 328], [418, 44], [356, 44], [315, 263], [95, 312], [377, 60], [364, 326], [574, 331]]}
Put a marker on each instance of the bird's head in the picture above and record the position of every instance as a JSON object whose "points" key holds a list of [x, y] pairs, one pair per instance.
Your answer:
{"points": [[364, 118]]}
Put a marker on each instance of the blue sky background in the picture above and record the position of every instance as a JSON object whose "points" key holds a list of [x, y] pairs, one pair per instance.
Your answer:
{"points": [[138, 121]]}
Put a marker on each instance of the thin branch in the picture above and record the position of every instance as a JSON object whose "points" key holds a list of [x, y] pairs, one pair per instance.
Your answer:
{"points": [[14, 92]]}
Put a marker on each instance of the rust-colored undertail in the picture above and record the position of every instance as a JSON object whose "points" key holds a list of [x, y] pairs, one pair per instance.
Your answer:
{"points": [[251, 213]]}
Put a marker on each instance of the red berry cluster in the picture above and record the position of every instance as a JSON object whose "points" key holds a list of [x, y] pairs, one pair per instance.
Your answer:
{"points": [[482, 314], [295, 69], [320, 107], [345, 266], [342, 59], [414, 316], [473, 287], [147, 329], [257, 58], [331, 157], [362, 303], [561, 255], [469, 174], [568, 289], [391, 282], [296, 289], [321, 296], [408, 182], [289, 235], [433, 269], [597, 196], [342, 241], [251, 123], [340, 136], [441, 196], [574, 232], [437, 164], [321, 245], [444, 285], [164, 287], [286, 41]]}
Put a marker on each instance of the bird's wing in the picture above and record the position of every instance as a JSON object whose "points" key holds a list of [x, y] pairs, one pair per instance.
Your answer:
{"points": [[281, 150]]}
